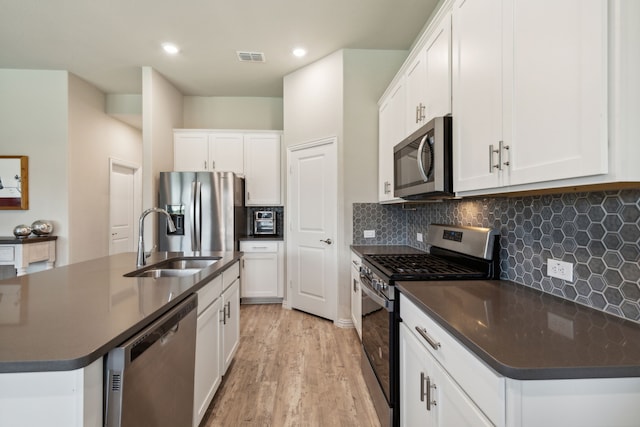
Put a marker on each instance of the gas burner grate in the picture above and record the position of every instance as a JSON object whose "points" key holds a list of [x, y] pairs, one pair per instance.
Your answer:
{"points": [[422, 265]]}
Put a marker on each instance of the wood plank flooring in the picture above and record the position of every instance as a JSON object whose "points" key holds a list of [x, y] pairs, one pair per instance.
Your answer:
{"points": [[292, 369]]}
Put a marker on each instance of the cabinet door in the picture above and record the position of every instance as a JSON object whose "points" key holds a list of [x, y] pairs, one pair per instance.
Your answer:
{"points": [[477, 91], [260, 275], [231, 324], [190, 151], [226, 152], [262, 169], [356, 299], [438, 71], [416, 99], [416, 365], [429, 397], [391, 122], [555, 119], [207, 367]]}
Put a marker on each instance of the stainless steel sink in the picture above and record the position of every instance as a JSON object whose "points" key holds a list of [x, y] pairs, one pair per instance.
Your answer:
{"points": [[176, 267]]}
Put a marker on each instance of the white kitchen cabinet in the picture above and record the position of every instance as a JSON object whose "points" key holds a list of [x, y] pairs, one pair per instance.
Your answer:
{"points": [[262, 271], [226, 152], [529, 99], [230, 316], [428, 77], [356, 293], [206, 150], [429, 396], [391, 130], [262, 154], [190, 151], [207, 373]]}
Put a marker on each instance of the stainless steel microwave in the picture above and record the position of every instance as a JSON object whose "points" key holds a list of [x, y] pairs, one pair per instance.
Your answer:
{"points": [[422, 163]]}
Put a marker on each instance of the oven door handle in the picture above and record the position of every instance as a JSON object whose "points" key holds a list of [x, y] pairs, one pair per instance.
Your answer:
{"points": [[388, 305]]}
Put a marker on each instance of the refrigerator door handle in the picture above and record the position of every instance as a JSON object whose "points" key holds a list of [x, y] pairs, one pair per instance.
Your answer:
{"points": [[195, 215]]}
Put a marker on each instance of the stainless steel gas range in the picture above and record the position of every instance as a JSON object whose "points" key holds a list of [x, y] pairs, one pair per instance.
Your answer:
{"points": [[456, 253]]}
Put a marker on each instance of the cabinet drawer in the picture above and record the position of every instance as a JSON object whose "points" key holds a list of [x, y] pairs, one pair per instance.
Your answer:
{"points": [[356, 261], [230, 275], [38, 252], [209, 293], [483, 385], [253, 246], [6, 254]]}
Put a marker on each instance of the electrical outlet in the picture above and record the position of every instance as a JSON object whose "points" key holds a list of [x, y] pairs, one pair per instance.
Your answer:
{"points": [[419, 237], [560, 269], [369, 234]]}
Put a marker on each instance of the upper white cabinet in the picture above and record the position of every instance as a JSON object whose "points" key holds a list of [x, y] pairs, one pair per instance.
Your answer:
{"points": [[262, 155], [256, 155], [529, 92], [208, 151], [391, 131], [420, 91], [226, 152]]}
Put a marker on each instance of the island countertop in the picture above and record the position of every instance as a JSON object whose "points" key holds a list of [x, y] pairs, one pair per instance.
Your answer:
{"points": [[526, 334], [65, 318]]}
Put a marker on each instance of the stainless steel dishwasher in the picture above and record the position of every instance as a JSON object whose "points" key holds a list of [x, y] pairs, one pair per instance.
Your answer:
{"points": [[149, 378]]}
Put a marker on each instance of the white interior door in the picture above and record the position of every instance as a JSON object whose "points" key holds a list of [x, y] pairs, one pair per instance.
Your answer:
{"points": [[124, 206], [312, 245]]}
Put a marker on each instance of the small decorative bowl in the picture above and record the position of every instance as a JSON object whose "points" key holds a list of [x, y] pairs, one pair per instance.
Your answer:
{"points": [[21, 231], [41, 227]]}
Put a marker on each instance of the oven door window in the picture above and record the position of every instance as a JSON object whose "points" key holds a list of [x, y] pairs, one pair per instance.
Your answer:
{"points": [[377, 324]]}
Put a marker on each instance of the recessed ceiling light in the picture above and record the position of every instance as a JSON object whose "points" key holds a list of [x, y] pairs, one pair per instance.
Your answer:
{"points": [[170, 48], [299, 52]]}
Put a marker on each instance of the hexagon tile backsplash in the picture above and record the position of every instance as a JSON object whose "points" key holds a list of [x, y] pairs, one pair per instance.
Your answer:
{"points": [[599, 232]]}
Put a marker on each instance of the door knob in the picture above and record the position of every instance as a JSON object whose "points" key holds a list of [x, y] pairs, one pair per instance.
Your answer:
{"points": [[327, 241]]}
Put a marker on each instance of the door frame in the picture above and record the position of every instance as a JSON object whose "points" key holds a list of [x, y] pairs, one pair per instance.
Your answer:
{"points": [[333, 142], [137, 197]]}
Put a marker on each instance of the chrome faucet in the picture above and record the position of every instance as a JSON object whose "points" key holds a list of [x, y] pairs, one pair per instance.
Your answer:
{"points": [[141, 260]]}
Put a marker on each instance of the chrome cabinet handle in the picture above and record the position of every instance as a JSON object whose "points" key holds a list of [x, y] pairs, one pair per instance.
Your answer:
{"points": [[423, 332], [327, 241], [387, 187], [228, 310], [430, 402], [491, 153], [501, 148], [425, 390], [224, 318]]}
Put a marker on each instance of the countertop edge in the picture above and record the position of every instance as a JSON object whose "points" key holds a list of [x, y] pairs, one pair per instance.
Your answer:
{"points": [[578, 372], [86, 359]]}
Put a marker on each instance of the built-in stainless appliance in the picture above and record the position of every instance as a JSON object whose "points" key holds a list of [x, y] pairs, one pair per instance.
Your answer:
{"points": [[264, 222], [149, 378], [423, 163], [456, 253], [207, 209]]}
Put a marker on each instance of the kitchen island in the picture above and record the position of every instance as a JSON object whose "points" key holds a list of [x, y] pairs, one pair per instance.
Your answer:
{"points": [[524, 358], [57, 325]]}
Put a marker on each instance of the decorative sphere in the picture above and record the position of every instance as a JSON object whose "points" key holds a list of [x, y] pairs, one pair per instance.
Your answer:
{"points": [[41, 227], [21, 231]]}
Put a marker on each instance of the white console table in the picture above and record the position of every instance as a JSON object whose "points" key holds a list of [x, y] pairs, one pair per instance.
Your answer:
{"points": [[22, 252]]}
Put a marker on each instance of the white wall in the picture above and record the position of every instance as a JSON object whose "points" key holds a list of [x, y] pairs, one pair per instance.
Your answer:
{"points": [[162, 106], [94, 137], [219, 112], [338, 96], [33, 122]]}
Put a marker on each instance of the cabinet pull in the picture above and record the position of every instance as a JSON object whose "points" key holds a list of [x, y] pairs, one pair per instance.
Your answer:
{"points": [[228, 309], [429, 387], [423, 332], [422, 109], [491, 153], [224, 319], [417, 113], [422, 392], [354, 286], [501, 148], [205, 165], [387, 187]]}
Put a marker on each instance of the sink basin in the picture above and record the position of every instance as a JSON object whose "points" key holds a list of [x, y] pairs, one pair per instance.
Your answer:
{"points": [[176, 267]]}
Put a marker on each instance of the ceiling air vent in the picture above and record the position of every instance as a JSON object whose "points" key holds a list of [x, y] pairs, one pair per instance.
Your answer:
{"points": [[250, 56]]}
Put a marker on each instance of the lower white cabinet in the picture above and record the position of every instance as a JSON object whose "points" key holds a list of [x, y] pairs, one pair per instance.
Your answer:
{"points": [[429, 397], [356, 293], [262, 270], [217, 337], [230, 317]]}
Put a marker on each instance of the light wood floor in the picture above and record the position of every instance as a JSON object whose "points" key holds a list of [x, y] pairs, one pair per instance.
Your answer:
{"points": [[292, 369]]}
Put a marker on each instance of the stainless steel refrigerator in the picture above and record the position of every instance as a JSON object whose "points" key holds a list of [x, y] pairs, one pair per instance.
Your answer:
{"points": [[207, 209]]}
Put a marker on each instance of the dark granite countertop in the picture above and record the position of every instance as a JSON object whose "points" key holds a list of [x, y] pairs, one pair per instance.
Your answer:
{"points": [[67, 317], [12, 240], [363, 250], [526, 334]]}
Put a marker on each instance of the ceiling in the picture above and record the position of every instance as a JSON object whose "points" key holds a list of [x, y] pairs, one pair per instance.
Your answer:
{"points": [[106, 42]]}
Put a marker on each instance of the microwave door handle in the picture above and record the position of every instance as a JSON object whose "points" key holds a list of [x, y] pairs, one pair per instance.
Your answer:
{"points": [[419, 159]]}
